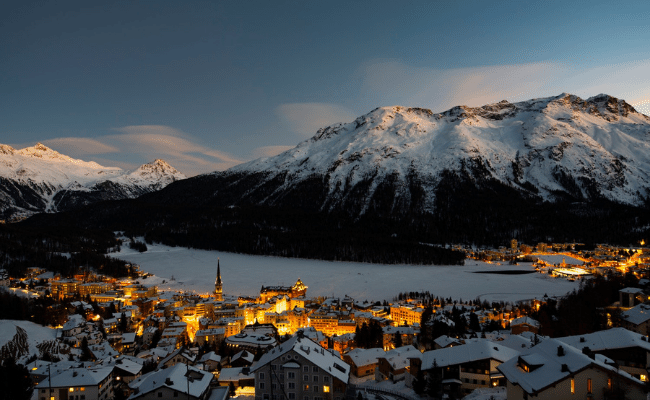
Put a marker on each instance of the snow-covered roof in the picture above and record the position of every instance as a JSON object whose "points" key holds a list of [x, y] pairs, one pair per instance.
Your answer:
{"points": [[444, 341], [399, 358], [211, 356], [403, 330], [361, 357], [313, 352], [244, 355], [233, 374], [127, 365], [77, 377], [524, 320], [102, 350], [637, 314], [549, 365], [615, 338], [480, 350], [182, 352], [631, 290], [175, 378], [128, 337], [515, 342], [74, 321]]}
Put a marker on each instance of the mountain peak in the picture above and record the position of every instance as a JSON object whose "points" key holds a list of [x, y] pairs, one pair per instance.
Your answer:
{"points": [[157, 169]]}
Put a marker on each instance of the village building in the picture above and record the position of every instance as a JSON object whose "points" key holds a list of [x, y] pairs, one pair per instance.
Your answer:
{"points": [[363, 362], [178, 381], [300, 369], [629, 350], [637, 319], [73, 383], [242, 359], [299, 289], [461, 369], [210, 361], [210, 336], [630, 297], [406, 314], [390, 333], [524, 324], [394, 364], [178, 356], [555, 370]]}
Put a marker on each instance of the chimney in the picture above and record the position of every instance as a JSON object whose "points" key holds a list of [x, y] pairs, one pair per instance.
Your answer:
{"points": [[565, 368], [587, 351], [560, 351]]}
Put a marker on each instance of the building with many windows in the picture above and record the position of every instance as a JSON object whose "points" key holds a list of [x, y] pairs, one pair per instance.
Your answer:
{"points": [[300, 369]]}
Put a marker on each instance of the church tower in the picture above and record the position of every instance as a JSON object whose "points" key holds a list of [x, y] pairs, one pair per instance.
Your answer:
{"points": [[218, 285]]}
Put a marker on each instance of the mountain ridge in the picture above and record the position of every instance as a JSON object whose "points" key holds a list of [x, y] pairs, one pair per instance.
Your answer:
{"points": [[40, 179], [551, 148]]}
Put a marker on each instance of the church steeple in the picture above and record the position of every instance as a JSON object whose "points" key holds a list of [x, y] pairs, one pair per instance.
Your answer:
{"points": [[218, 285]]}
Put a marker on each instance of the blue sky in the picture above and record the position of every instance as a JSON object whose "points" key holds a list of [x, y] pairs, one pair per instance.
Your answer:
{"points": [[207, 85]]}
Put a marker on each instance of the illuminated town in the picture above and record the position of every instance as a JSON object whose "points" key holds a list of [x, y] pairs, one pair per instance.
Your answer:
{"points": [[128, 332]]}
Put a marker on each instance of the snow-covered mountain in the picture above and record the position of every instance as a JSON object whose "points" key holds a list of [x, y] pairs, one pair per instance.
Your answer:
{"points": [[394, 158], [37, 179]]}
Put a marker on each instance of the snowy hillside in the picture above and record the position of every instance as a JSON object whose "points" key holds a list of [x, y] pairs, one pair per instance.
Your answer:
{"points": [[21, 339], [37, 179], [550, 148]]}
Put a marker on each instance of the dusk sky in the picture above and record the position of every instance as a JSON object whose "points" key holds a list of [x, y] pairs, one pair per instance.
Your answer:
{"points": [[208, 85]]}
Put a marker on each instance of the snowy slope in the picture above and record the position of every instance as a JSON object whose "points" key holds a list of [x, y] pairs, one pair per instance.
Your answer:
{"points": [[558, 146], [21, 338], [36, 179]]}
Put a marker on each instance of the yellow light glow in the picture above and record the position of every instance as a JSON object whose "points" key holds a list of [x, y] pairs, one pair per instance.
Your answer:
{"points": [[326, 389]]}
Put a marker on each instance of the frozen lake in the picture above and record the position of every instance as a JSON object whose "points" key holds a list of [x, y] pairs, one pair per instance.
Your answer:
{"points": [[195, 270]]}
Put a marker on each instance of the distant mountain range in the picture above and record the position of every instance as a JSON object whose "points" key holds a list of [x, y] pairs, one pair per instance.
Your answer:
{"points": [[551, 169], [394, 159], [39, 179]]}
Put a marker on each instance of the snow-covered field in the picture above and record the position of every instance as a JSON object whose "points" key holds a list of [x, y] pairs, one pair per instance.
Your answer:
{"points": [[195, 270]]}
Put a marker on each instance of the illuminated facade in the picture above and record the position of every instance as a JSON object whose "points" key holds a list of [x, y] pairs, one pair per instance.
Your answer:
{"points": [[299, 289]]}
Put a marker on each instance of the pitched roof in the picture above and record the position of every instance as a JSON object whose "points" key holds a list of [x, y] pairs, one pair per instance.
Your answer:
{"points": [[550, 367], [175, 378], [313, 352], [638, 314], [480, 350], [361, 357], [77, 377], [524, 320], [399, 357], [615, 338]]}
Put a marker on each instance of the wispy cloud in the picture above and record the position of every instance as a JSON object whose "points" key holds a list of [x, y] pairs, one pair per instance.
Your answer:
{"points": [[392, 82], [306, 118], [137, 144], [81, 145]]}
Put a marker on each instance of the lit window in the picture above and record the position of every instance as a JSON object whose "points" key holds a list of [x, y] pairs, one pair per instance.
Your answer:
{"points": [[589, 385], [573, 386], [71, 389], [643, 378], [326, 389], [609, 383]]}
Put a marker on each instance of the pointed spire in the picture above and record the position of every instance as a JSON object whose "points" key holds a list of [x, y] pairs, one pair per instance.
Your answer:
{"points": [[218, 272]]}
